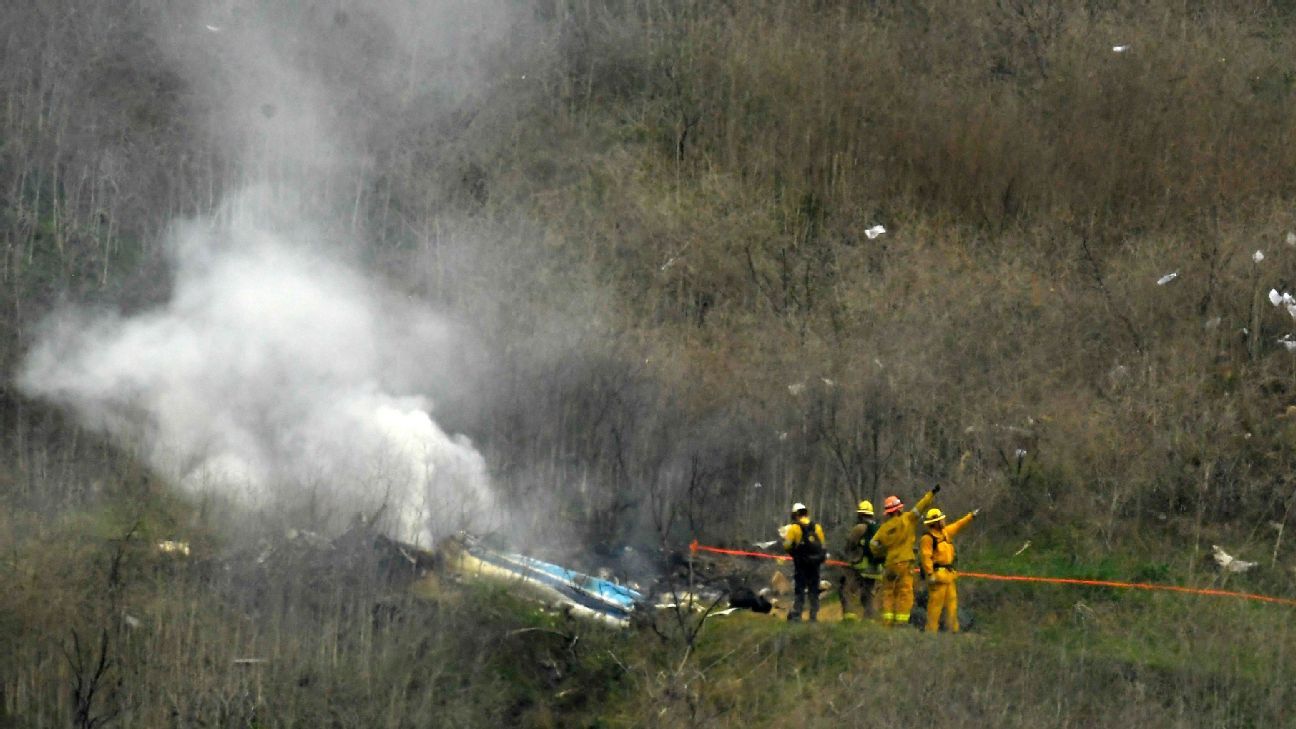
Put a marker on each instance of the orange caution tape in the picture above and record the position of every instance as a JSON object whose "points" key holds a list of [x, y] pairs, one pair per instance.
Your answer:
{"points": [[695, 547]]}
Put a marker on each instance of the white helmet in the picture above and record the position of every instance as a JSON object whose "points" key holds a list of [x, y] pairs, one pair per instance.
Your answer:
{"points": [[798, 506]]}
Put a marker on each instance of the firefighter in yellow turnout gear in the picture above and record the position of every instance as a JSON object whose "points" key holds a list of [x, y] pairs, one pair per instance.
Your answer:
{"points": [[937, 553], [894, 542], [858, 583]]}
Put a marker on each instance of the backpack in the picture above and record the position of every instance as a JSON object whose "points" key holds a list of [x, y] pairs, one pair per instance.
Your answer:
{"points": [[921, 569], [810, 548]]}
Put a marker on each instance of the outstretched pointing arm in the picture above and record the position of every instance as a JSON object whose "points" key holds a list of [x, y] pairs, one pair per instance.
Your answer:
{"points": [[925, 502], [954, 528]]}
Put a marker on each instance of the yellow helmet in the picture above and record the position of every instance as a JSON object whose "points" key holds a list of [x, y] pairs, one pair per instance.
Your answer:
{"points": [[934, 515], [865, 507]]}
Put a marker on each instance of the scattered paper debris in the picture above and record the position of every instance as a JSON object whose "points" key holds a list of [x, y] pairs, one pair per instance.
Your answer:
{"points": [[796, 388], [726, 611], [1258, 256], [131, 621], [167, 546], [1291, 239], [1167, 278], [1212, 322], [1228, 562], [1020, 453], [214, 28], [1024, 547], [1082, 612], [1119, 49], [765, 545], [249, 661], [827, 382], [874, 232], [1287, 341], [1275, 298]]}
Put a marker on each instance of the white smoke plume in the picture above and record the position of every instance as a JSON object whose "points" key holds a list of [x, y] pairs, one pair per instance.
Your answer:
{"points": [[272, 374], [276, 372]]}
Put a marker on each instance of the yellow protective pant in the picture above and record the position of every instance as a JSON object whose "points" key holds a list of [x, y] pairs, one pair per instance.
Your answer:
{"points": [[897, 593], [942, 596]]}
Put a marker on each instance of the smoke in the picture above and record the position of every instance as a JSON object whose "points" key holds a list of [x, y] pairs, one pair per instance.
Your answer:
{"points": [[271, 375], [275, 371]]}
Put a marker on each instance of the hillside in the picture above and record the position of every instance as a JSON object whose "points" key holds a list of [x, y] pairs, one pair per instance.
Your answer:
{"points": [[599, 274]]}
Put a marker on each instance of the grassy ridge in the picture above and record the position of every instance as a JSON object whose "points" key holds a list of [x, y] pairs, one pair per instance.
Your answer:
{"points": [[334, 644]]}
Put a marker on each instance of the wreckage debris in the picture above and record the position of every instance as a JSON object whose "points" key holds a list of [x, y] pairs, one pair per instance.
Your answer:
{"points": [[1228, 562], [583, 595], [168, 546]]}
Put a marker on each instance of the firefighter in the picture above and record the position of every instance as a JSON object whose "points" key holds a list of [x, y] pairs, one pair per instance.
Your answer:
{"points": [[894, 544], [859, 577], [937, 553], [803, 539]]}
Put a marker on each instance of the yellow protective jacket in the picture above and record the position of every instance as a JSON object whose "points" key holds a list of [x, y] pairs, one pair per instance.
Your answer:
{"points": [[792, 537], [936, 549], [895, 538]]}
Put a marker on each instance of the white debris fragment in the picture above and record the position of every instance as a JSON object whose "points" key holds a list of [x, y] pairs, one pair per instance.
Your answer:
{"points": [[131, 621], [765, 545], [1119, 49], [1291, 239], [1275, 298], [1024, 547], [1020, 453], [796, 388], [167, 546], [1258, 256], [1212, 323], [1228, 562], [827, 382], [214, 28], [1287, 342], [874, 232], [1167, 278]]}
